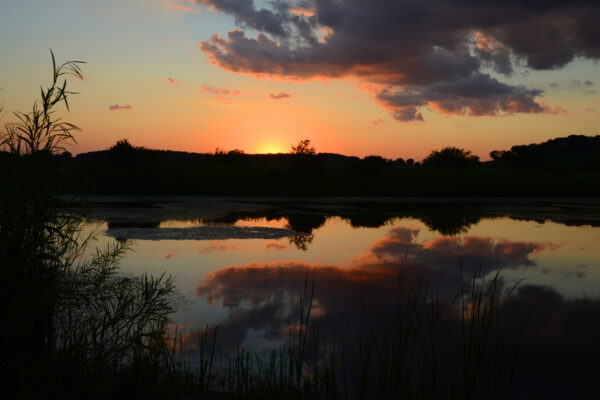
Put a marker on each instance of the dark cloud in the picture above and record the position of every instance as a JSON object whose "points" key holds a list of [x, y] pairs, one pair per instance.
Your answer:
{"points": [[264, 297], [443, 257], [412, 54], [117, 107], [173, 81], [475, 95], [280, 96], [493, 53], [246, 15], [444, 251]]}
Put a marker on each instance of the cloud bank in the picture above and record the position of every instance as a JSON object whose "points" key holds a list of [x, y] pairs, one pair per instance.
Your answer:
{"points": [[412, 55]]}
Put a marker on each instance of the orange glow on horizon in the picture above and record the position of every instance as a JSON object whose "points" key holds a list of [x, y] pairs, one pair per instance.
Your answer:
{"points": [[261, 128], [271, 148]]}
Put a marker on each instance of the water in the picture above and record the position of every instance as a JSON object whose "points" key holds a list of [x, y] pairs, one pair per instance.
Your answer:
{"points": [[233, 259], [242, 263]]}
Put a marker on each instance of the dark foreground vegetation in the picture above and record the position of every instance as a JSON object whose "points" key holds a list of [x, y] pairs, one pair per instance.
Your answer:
{"points": [[72, 326], [426, 348], [567, 166]]}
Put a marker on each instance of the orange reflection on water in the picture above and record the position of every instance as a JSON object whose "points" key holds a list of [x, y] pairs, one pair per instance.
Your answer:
{"points": [[264, 295]]}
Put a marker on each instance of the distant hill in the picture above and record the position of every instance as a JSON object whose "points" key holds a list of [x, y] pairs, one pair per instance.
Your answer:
{"points": [[165, 155], [184, 156], [572, 154]]}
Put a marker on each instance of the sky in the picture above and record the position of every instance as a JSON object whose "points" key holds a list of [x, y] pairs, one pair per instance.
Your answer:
{"points": [[396, 78]]}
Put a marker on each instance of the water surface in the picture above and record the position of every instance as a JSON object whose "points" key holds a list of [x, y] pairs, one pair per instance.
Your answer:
{"points": [[242, 263]]}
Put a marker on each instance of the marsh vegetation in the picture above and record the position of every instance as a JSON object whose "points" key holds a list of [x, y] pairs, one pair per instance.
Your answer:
{"points": [[427, 348], [73, 325]]}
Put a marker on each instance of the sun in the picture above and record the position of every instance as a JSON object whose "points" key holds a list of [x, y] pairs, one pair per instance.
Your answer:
{"points": [[270, 148]]}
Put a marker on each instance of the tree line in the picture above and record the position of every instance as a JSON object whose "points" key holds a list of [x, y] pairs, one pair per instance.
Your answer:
{"points": [[566, 166]]}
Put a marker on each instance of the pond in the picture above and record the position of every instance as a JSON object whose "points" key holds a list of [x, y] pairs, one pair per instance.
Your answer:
{"points": [[242, 263]]}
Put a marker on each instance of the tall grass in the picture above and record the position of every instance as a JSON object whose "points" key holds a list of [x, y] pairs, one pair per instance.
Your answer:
{"points": [[428, 348], [72, 325], [40, 129]]}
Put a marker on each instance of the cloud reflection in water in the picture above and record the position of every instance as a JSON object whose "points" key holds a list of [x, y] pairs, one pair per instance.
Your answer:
{"points": [[263, 296]]}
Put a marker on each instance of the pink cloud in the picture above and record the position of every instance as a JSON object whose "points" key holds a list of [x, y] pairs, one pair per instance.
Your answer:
{"points": [[303, 11], [553, 110], [173, 81], [378, 121], [276, 246], [117, 107], [220, 91], [280, 96], [179, 5], [224, 101], [216, 248], [171, 255]]}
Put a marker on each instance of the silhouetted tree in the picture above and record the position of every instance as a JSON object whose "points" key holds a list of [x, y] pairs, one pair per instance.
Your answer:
{"points": [[376, 161], [303, 225], [122, 151], [450, 157], [122, 145], [301, 240], [497, 155], [304, 148]]}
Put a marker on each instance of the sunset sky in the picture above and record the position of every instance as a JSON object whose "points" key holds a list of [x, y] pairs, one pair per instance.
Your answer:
{"points": [[396, 78]]}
